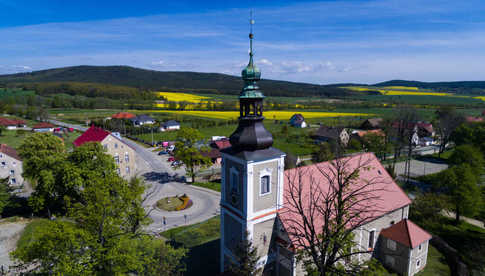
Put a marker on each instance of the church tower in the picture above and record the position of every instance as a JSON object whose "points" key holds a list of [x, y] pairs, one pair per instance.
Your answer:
{"points": [[252, 176]]}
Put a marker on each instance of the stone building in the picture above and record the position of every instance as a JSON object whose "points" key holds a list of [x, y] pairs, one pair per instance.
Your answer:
{"points": [[124, 155], [255, 199], [11, 166]]}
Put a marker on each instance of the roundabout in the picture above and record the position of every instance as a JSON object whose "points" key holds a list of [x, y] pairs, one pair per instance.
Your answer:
{"points": [[174, 203]]}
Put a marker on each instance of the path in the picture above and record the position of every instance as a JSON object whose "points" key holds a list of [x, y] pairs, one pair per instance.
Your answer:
{"points": [[9, 234], [475, 222]]}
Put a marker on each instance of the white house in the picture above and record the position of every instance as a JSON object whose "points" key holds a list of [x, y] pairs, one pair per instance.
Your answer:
{"points": [[170, 125]]}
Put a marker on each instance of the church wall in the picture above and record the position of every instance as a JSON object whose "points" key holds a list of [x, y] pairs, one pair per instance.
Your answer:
{"points": [[267, 201], [261, 230], [362, 236], [233, 232], [228, 164]]}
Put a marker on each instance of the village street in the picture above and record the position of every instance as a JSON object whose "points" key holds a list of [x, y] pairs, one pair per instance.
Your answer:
{"points": [[159, 176]]}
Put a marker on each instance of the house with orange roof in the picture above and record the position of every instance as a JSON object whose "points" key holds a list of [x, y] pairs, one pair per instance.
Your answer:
{"points": [[123, 115]]}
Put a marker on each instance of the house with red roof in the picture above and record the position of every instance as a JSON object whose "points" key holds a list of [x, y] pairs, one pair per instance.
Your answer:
{"points": [[11, 123], [123, 115], [123, 154], [10, 165], [43, 127]]}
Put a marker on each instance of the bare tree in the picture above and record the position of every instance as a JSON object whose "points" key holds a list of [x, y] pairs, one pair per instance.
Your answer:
{"points": [[326, 204], [405, 128], [448, 121]]}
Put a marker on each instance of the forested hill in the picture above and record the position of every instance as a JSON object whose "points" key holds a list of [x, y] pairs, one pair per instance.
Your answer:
{"points": [[455, 86], [167, 81]]}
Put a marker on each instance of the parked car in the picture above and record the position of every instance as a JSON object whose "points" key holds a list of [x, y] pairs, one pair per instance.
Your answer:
{"points": [[176, 163], [171, 159], [71, 129], [162, 152]]}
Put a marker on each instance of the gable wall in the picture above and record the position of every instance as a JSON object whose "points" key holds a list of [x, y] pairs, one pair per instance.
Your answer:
{"points": [[115, 147]]}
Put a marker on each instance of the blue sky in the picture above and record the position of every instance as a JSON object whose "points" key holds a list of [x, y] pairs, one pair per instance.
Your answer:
{"points": [[307, 41]]}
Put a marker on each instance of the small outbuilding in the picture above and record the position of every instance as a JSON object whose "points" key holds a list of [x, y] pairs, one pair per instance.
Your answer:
{"points": [[297, 120], [11, 123], [332, 134], [404, 247], [372, 123], [123, 115]]}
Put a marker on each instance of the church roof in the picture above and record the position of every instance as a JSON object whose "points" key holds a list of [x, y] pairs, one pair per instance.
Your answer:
{"points": [[406, 233], [384, 194]]}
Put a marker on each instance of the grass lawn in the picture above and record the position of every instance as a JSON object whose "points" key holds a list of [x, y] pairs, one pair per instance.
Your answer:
{"points": [[436, 264], [196, 234], [29, 231], [14, 139], [467, 239], [209, 185], [169, 203], [202, 240]]}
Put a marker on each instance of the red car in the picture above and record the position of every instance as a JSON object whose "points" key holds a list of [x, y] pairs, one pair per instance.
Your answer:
{"points": [[171, 159]]}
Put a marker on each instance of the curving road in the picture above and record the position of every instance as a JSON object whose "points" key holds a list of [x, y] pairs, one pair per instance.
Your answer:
{"points": [[159, 176]]}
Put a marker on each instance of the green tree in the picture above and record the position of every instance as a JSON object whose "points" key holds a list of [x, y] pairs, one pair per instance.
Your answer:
{"points": [[467, 154], [376, 143], [44, 159], [189, 153], [324, 153], [460, 184], [2, 129], [4, 194], [246, 256]]}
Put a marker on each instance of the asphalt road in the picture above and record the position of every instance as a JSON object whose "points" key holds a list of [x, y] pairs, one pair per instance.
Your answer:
{"points": [[159, 176]]}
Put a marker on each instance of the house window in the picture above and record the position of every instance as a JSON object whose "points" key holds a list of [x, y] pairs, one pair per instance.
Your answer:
{"points": [[13, 181], [418, 263], [391, 245], [265, 185], [371, 238], [12, 172], [127, 170], [14, 163], [117, 159], [4, 163], [116, 145], [118, 171], [127, 157], [105, 146], [420, 247]]}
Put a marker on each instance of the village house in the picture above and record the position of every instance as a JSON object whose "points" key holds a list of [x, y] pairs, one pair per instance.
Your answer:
{"points": [[297, 120], [256, 192], [332, 134], [114, 145], [170, 125], [11, 124], [142, 120], [372, 123], [123, 115], [43, 127], [11, 165]]}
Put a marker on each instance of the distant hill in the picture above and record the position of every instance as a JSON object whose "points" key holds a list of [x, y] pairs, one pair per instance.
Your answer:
{"points": [[167, 81], [460, 87]]}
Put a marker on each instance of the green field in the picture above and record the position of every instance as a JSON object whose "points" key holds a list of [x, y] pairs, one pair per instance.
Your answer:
{"points": [[14, 139], [7, 92]]}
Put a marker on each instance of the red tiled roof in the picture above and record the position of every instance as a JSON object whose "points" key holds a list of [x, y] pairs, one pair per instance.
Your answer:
{"points": [[212, 153], [9, 151], [93, 134], [222, 144], [379, 132], [43, 125], [385, 195], [123, 115], [9, 122], [407, 233]]}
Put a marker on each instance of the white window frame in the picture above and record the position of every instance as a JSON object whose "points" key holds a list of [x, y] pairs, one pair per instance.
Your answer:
{"points": [[234, 186], [12, 172], [13, 181], [420, 247], [391, 245], [116, 145], [117, 158], [418, 263], [127, 170], [262, 174], [127, 157]]}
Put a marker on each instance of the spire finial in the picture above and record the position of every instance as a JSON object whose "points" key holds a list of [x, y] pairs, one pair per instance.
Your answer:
{"points": [[251, 36]]}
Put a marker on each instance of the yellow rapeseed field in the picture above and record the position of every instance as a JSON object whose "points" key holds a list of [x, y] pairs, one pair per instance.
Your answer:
{"points": [[480, 98], [398, 93], [400, 88], [277, 115], [182, 97]]}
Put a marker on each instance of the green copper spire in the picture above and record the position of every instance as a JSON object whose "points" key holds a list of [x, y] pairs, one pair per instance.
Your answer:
{"points": [[251, 74]]}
